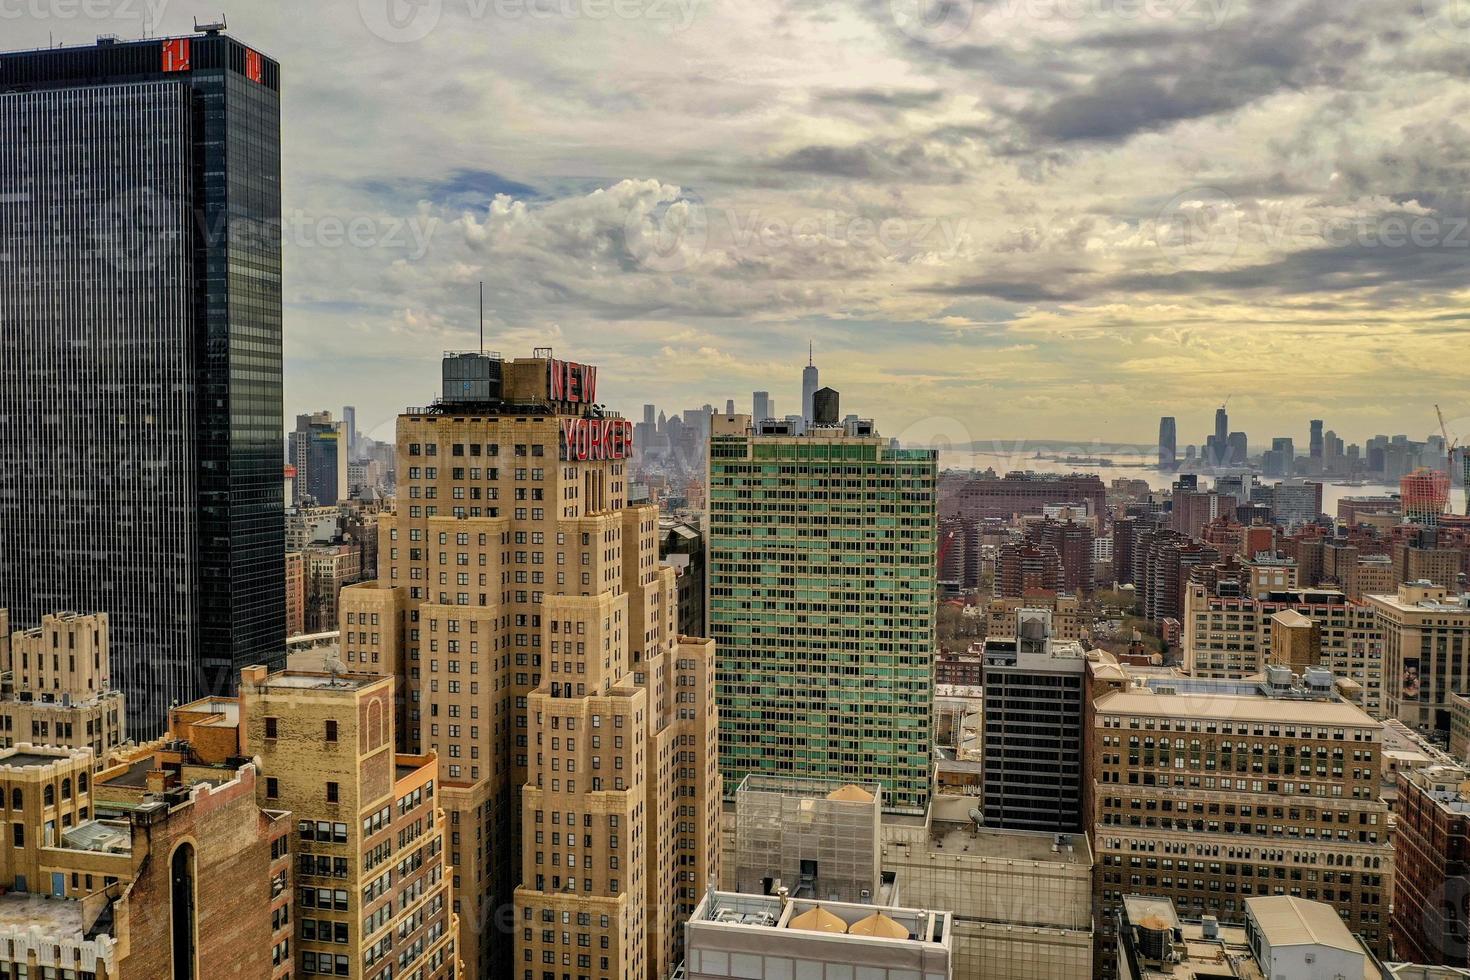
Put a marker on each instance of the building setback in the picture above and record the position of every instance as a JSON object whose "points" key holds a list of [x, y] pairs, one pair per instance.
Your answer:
{"points": [[822, 592], [522, 605], [1426, 646], [140, 355], [57, 685], [1211, 792], [94, 865], [373, 894]]}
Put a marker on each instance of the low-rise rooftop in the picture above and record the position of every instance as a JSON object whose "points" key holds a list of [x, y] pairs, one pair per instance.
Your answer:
{"points": [[984, 843], [871, 923], [315, 681], [1183, 702]]}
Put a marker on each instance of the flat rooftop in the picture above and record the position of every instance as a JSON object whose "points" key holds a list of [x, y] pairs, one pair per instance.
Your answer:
{"points": [[948, 837], [1227, 954], [227, 710], [105, 836], [1289, 921], [311, 681], [136, 776], [1235, 708], [24, 757], [55, 918], [876, 923]]}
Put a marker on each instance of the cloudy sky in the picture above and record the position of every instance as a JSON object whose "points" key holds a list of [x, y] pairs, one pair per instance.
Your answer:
{"points": [[1010, 218]]}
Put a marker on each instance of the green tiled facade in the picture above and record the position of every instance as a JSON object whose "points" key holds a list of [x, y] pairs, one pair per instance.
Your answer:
{"points": [[821, 603]]}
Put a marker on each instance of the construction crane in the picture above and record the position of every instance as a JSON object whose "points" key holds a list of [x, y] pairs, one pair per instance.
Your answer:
{"points": [[1450, 445]]}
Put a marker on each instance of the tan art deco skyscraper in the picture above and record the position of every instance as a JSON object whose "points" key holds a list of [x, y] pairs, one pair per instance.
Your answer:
{"points": [[522, 603]]}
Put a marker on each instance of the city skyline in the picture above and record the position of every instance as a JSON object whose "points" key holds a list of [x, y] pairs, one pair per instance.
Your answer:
{"points": [[1039, 256]]}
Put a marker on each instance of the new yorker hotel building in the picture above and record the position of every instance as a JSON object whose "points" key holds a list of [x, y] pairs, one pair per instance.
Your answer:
{"points": [[140, 356], [522, 604]]}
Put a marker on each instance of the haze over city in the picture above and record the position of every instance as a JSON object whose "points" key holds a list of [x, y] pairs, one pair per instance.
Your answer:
{"points": [[1037, 219]]}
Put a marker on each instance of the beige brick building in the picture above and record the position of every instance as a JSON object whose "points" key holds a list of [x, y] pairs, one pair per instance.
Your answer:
{"points": [[1426, 643], [1210, 792], [1230, 637], [373, 896], [522, 603], [1066, 624], [93, 864], [56, 687]]}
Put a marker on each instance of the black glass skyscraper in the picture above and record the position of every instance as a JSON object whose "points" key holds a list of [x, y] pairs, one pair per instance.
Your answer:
{"points": [[140, 355]]}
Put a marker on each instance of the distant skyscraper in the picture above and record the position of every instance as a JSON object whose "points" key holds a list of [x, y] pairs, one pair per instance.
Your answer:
{"points": [[140, 364], [729, 406], [1217, 444], [648, 415], [760, 405], [1281, 459], [1315, 448], [318, 450], [809, 386], [1425, 494], [349, 423], [1168, 445], [1237, 449]]}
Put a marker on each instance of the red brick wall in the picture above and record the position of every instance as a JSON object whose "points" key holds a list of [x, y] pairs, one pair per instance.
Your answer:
{"points": [[232, 875]]}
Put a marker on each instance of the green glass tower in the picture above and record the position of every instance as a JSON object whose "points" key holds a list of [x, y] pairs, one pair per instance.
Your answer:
{"points": [[821, 602]]}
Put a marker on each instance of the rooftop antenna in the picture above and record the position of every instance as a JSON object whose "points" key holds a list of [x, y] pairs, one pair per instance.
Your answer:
{"points": [[482, 316], [810, 362]]}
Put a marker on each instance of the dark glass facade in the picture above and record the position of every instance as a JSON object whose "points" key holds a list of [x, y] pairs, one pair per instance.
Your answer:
{"points": [[140, 356]]}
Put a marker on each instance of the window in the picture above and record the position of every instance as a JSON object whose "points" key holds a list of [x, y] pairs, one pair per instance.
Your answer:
{"points": [[332, 794], [182, 917], [270, 728], [331, 730], [272, 788]]}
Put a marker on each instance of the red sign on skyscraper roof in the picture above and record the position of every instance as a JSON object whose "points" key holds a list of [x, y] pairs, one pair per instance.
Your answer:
{"points": [[176, 53], [252, 65]]}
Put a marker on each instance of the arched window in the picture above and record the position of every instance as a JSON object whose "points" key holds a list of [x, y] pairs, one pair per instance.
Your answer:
{"points": [[17, 801], [181, 904], [48, 795], [81, 782], [66, 788]]}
